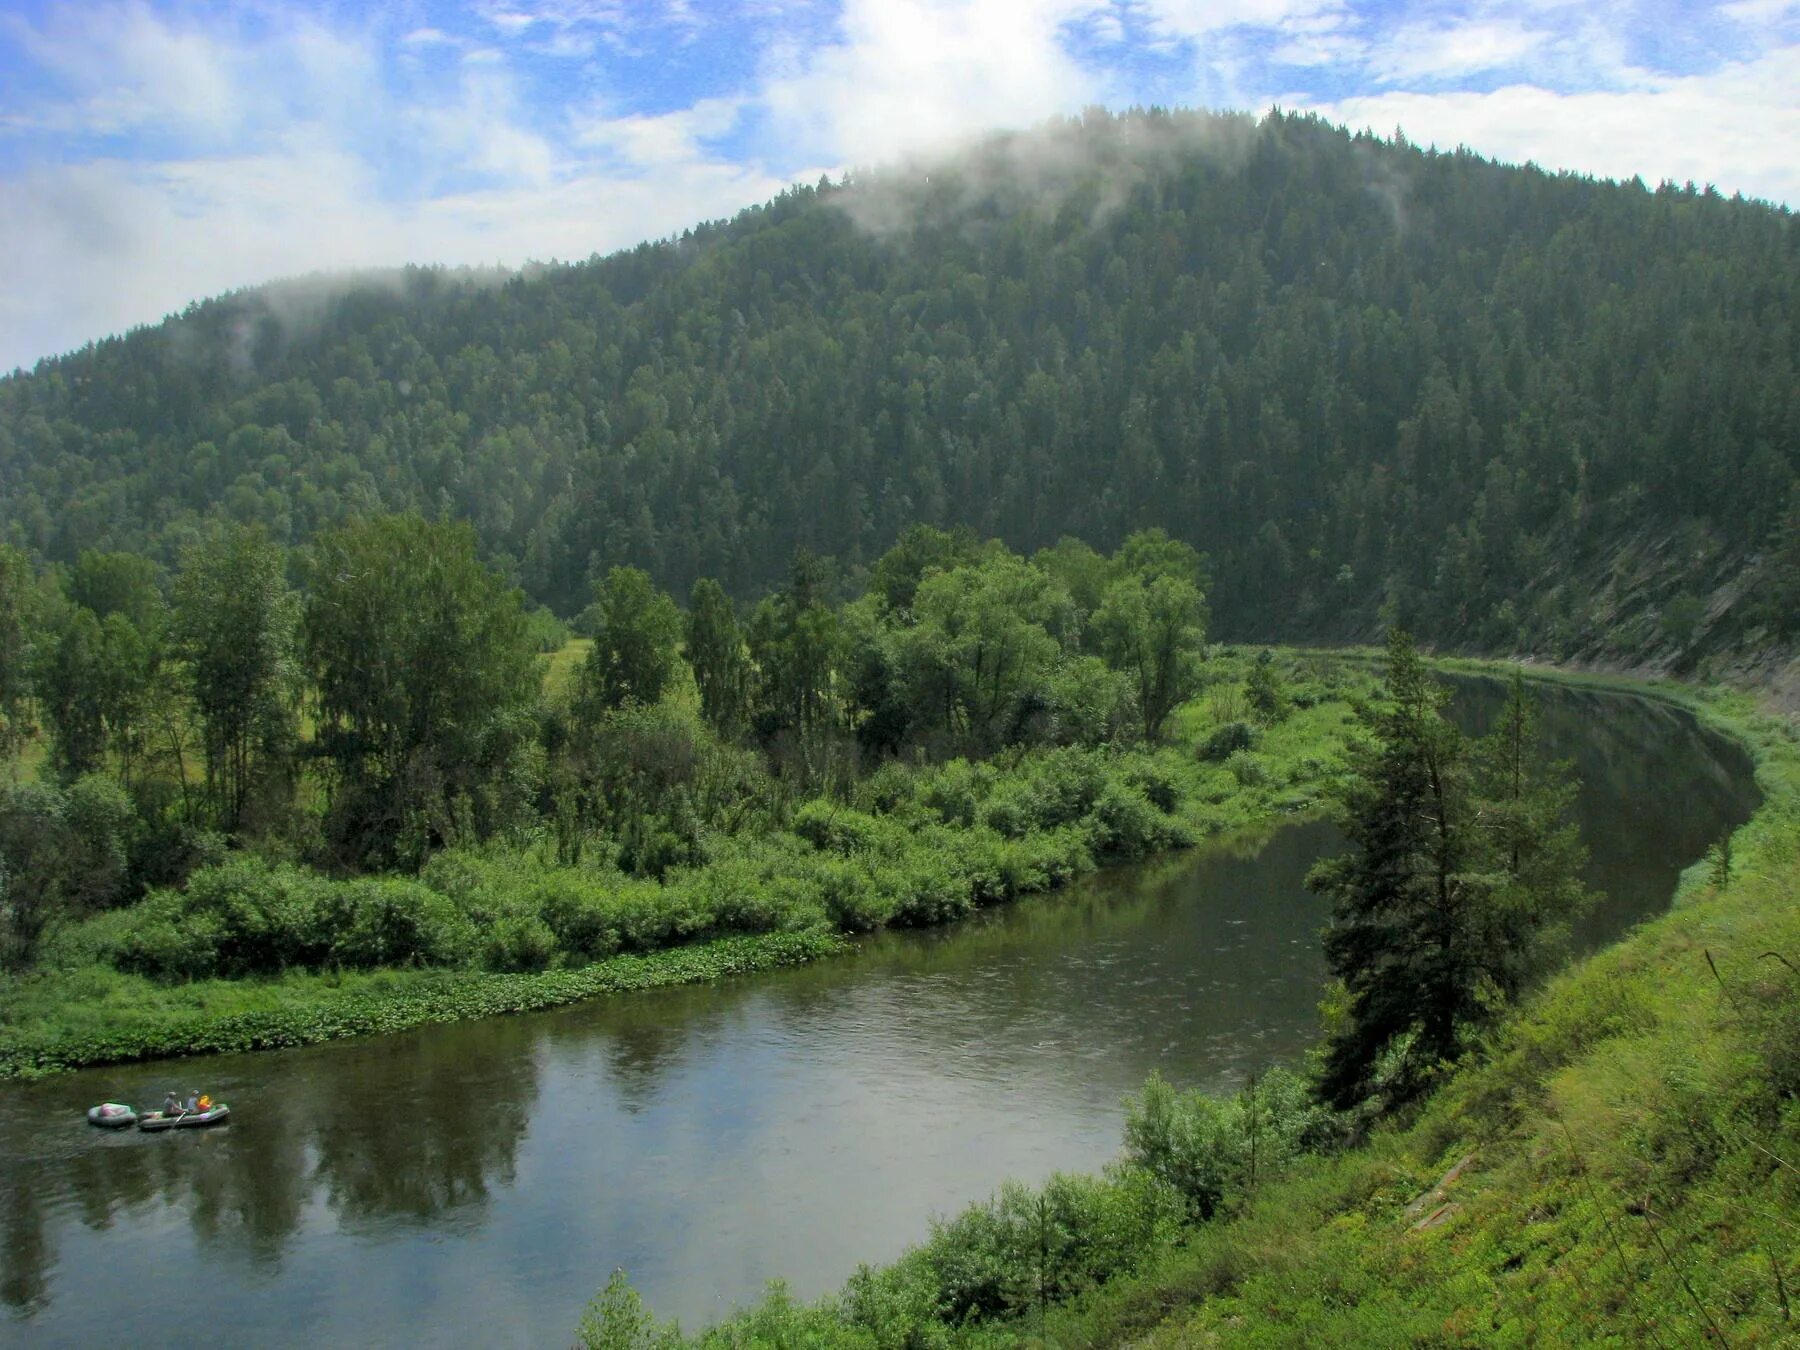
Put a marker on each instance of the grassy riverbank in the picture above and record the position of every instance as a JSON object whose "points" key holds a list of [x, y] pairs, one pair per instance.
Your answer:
{"points": [[1621, 1164], [128, 1021], [1634, 1144], [252, 954]]}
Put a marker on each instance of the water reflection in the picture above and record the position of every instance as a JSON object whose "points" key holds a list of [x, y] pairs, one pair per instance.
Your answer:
{"points": [[26, 1257], [479, 1181], [366, 1139], [1656, 791], [425, 1140]]}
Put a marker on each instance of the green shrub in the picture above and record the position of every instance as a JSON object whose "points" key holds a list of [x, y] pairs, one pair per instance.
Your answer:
{"points": [[1155, 781], [891, 790], [1248, 769], [390, 921], [578, 910], [1211, 1150], [240, 918], [1020, 1249], [1009, 812], [1226, 741], [923, 891], [164, 944], [836, 828], [518, 942], [1064, 784], [1125, 824], [853, 902], [955, 791], [1041, 862]]}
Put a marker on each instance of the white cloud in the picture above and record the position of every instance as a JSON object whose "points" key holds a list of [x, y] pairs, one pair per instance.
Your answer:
{"points": [[1451, 51], [124, 68], [480, 131], [107, 245], [1758, 12], [666, 139], [1736, 126], [1199, 18], [909, 75]]}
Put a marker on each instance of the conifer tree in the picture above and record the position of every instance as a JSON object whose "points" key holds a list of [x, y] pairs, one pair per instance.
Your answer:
{"points": [[1460, 866]]}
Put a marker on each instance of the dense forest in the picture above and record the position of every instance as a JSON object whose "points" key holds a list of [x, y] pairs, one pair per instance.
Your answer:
{"points": [[1373, 384]]}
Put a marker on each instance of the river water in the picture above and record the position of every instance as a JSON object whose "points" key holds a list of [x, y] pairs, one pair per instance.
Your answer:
{"points": [[476, 1184]]}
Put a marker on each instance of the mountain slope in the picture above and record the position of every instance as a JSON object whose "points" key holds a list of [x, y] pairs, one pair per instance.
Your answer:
{"points": [[1518, 411]]}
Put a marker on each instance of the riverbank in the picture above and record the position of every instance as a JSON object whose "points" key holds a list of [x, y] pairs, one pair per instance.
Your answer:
{"points": [[253, 956], [1622, 1164], [1632, 1139], [232, 1016]]}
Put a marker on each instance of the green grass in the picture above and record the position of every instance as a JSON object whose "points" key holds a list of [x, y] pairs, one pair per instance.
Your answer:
{"points": [[560, 666], [119, 1018]]}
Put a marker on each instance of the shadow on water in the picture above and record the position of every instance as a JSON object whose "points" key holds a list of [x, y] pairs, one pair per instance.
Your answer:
{"points": [[1657, 790], [478, 1181]]}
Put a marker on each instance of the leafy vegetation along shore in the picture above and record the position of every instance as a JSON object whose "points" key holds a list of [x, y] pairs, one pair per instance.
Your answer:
{"points": [[252, 952], [1619, 1162], [220, 1017]]}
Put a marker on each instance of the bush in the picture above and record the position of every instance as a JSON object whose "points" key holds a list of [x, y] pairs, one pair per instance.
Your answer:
{"points": [[1155, 782], [1020, 1249], [1211, 1150], [518, 942], [389, 921], [1227, 741], [579, 914], [956, 790], [890, 790], [1248, 769], [1064, 785], [836, 828], [923, 891], [1126, 824], [852, 900]]}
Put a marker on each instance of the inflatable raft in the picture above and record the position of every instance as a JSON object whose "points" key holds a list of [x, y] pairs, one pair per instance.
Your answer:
{"points": [[111, 1116], [185, 1120]]}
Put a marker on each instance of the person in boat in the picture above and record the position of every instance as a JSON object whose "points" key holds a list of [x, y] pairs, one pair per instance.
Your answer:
{"points": [[193, 1101], [171, 1103], [206, 1103]]}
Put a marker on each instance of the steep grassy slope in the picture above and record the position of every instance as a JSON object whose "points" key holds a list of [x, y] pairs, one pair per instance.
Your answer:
{"points": [[1623, 1167]]}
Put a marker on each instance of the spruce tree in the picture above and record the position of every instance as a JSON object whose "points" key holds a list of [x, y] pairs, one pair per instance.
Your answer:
{"points": [[1460, 864]]}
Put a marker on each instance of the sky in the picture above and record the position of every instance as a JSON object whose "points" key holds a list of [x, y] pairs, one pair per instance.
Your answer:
{"points": [[154, 152]]}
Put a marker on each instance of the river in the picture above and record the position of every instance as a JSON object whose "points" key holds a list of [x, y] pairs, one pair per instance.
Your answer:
{"points": [[477, 1183]]}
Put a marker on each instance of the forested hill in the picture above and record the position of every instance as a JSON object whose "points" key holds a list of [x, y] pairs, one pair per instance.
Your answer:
{"points": [[1515, 410]]}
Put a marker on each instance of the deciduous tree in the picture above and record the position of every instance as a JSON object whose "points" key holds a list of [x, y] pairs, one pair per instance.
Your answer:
{"points": [[425, 676], [235, 622]]}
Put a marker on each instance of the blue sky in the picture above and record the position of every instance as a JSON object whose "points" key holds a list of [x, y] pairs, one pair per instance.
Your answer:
{"points": [[156, 151]]}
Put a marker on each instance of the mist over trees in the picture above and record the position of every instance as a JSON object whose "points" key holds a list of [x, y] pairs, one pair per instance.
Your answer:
{"points": [[1372, 384]]}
